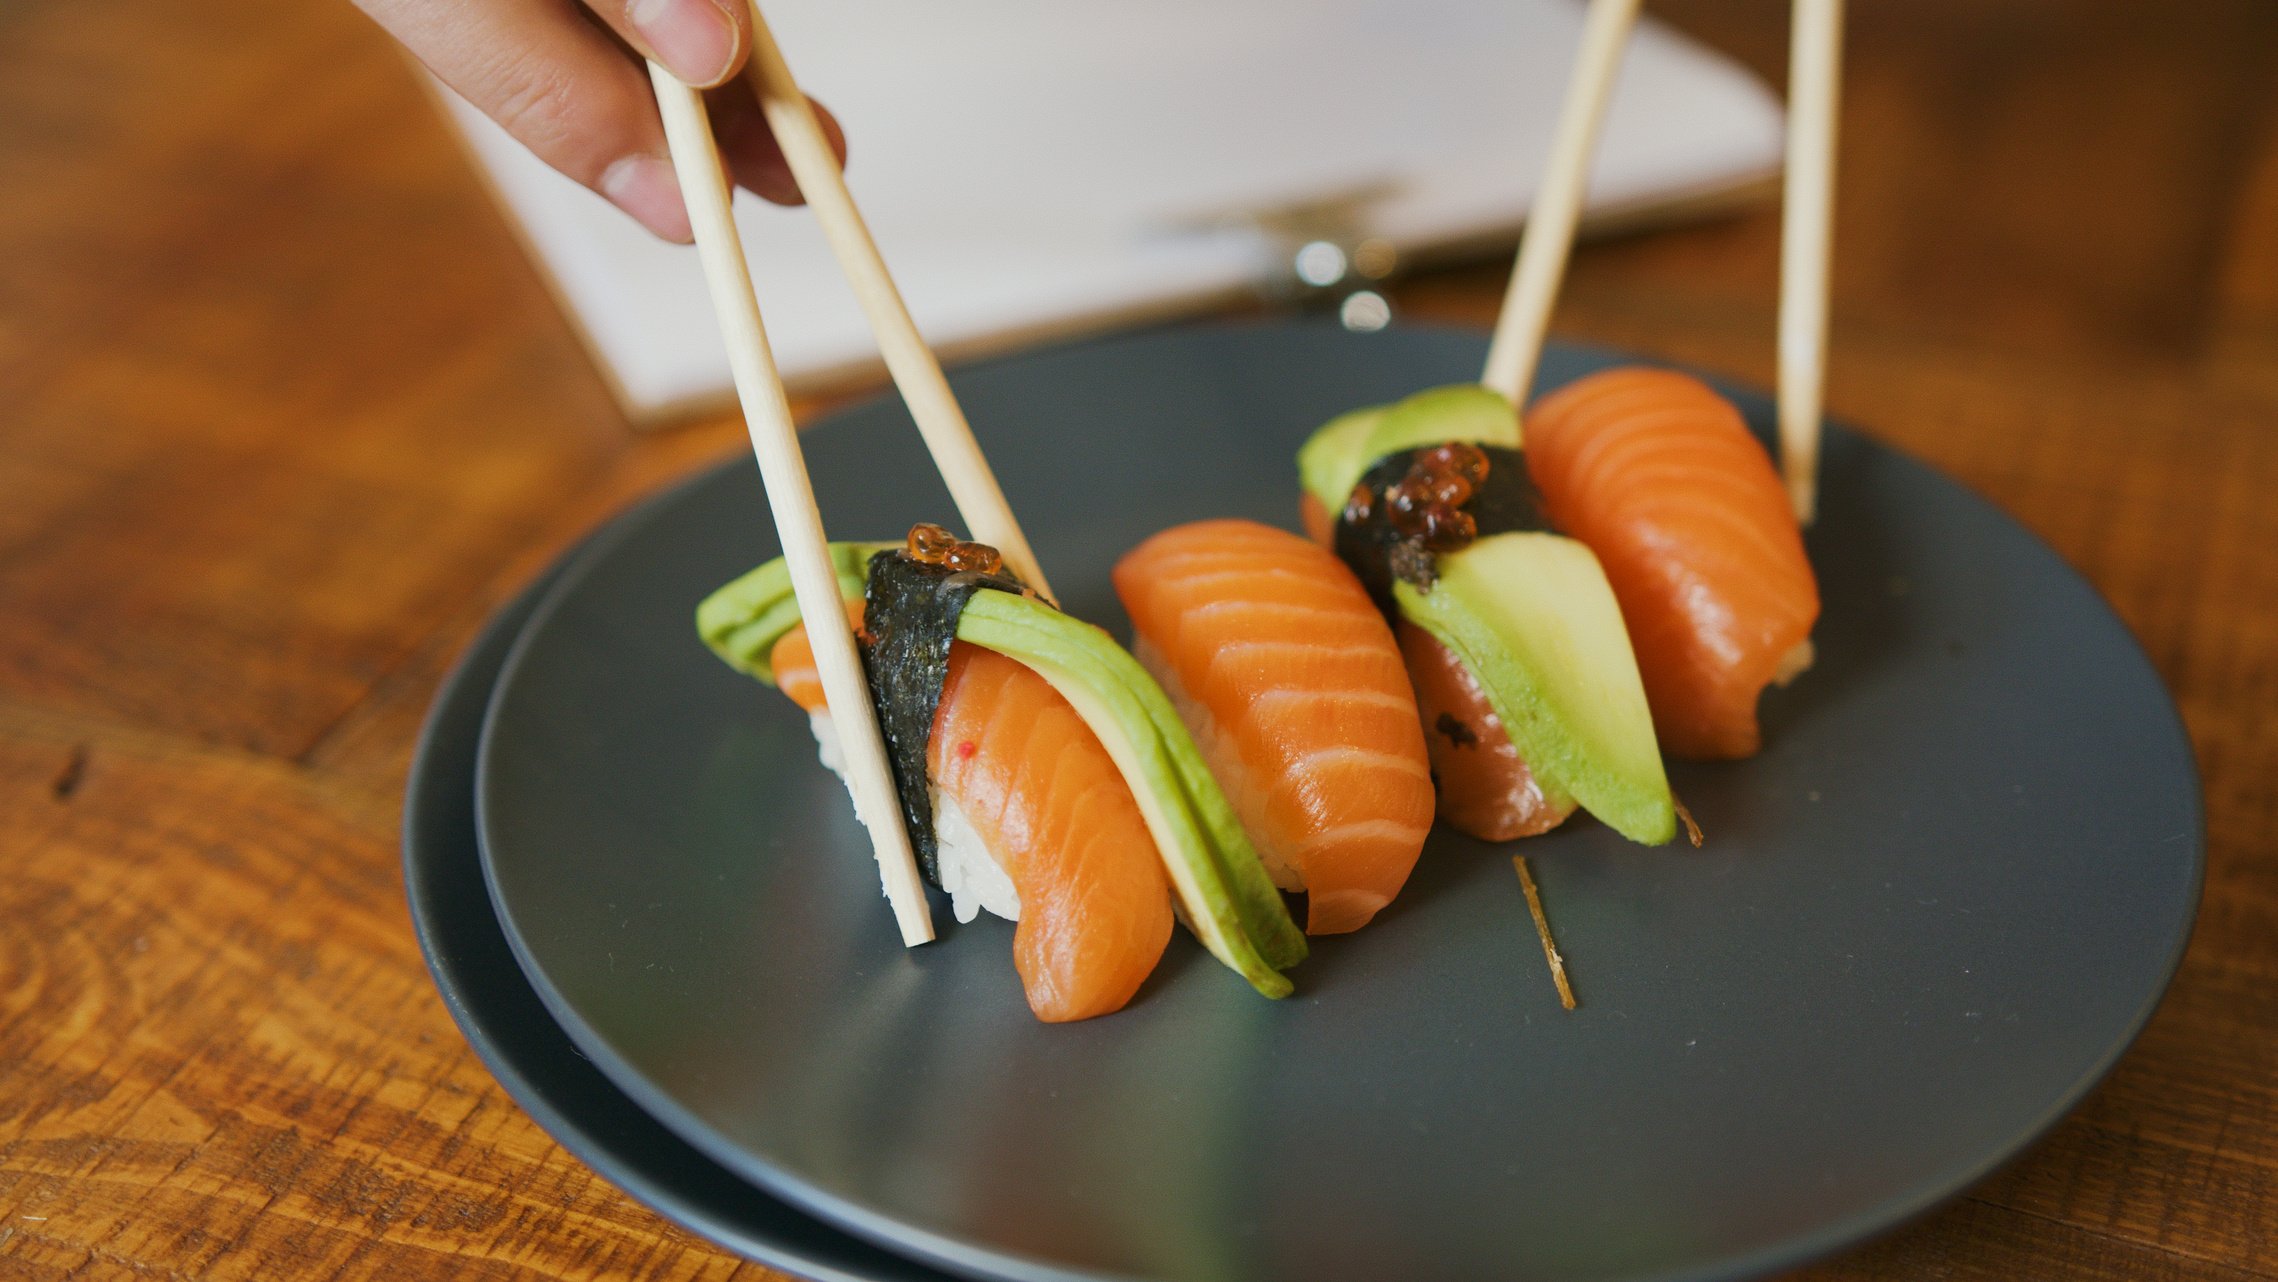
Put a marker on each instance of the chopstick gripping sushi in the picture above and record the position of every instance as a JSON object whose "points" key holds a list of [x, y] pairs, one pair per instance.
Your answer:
{"points": [[1043, 775], [1661, 477], [1293, 688], [1528, 689]]}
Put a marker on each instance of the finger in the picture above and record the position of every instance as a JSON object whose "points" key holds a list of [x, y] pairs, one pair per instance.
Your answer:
{"points": [[752, 153], [556, 82], [701, 41]]}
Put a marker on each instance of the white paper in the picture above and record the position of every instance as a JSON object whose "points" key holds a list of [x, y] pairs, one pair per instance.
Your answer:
{"points": [[1032, 163]]}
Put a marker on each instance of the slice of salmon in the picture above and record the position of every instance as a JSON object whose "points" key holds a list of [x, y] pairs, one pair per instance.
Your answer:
{"points": [[1047, 801], [793, 660], [1486, 790], [1292, 685], [1661, 478], [1036, 783], [1319, 525]]}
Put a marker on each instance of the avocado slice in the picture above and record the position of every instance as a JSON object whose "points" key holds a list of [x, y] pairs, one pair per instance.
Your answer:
{"points": [[1529, 613], [1223, 890], [1228, 899], [1532, 616], [1333, 459], [1333, 454], [743, 619]]}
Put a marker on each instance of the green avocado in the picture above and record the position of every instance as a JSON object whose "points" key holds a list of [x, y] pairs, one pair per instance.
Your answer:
{"points": [[1332, 460], [1223, 890], [743, 619], [1333, 454], [1531, 615], [1228, 899]]}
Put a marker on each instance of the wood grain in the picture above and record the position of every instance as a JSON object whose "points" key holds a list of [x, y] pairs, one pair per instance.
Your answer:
{"points": [[283, 414]]}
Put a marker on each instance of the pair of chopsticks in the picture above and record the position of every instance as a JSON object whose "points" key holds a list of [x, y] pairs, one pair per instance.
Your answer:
{"points": [[972, 485], [1814, 62], [774, 440]]}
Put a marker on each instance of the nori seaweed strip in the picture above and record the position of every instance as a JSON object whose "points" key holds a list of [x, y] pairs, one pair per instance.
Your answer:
{"points": [[910, 612], [1379, 553]]}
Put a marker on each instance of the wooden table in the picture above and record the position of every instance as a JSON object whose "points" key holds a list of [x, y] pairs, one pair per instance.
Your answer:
{"points": [[284, 413]]}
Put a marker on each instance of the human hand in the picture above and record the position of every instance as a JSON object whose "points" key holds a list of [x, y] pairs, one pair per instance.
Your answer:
{"points": [[564, 77]]}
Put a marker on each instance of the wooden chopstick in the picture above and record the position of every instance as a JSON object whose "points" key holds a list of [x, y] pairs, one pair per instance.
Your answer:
{"points": [[1549, 232], [1815, 60], [917, 372], [791, 497]]}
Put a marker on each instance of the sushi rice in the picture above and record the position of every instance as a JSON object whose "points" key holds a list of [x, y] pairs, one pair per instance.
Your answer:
{"points": [[972, 874]]}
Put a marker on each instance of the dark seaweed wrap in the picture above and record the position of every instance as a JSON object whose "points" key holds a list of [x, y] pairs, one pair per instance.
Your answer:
{"points": [[1381, 554], [910, 613]]}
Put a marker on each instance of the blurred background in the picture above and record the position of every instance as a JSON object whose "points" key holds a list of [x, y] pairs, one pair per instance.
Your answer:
{"points": [[250, 283], [287, 406], [1043, 170]]}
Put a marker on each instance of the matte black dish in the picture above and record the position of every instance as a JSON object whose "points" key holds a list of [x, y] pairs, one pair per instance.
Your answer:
{"points": [[1929, 918]]}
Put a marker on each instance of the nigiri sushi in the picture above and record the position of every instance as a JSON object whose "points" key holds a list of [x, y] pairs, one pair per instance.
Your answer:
{"points": [[1661, 478], [1530, 696], [1485, 788], [1032, 822], [1042, 773], [1293, 688]]}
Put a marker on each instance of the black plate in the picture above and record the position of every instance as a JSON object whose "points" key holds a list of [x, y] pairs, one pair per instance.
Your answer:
{"points": [[1930, 916], [522, 1045]]}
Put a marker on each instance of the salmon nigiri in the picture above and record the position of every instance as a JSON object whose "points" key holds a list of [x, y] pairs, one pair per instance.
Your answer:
{"points": [[1061, 791], [1662, 479], [1486, 789], [1293, 687], [1036, 824], [1530, 697]]}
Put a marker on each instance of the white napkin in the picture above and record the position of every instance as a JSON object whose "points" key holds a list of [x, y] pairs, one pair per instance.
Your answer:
{"points": [[1042, 165]]}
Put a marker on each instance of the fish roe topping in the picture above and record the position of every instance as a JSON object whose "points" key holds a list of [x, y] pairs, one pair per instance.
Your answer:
{"points": [[1360, 504], [1412, 507], [935, 545], [1404, 506], [1458, 458], [979, 558], [1427, 503], [929, 543], [1448, 529], [1445, 489]]}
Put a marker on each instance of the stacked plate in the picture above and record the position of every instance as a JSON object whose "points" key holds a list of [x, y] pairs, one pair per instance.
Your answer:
{"points": [[1929, 917]]}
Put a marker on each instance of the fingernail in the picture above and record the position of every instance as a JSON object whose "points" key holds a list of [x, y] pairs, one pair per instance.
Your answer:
{"points": [[694, 39], [644, 186]]}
